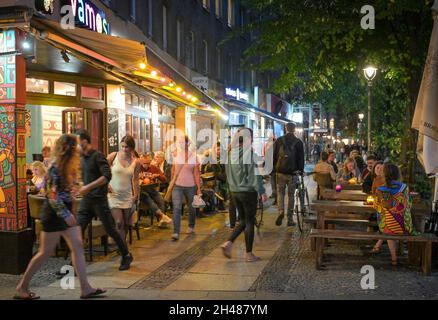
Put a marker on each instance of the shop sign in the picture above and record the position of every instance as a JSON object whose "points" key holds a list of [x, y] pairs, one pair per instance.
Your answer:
{"points": [[237, 94], [45, 6], [201, 83], [87, 15]]}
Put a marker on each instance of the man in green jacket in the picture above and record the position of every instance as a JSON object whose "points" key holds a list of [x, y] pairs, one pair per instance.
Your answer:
{"points": [[245, 185]]}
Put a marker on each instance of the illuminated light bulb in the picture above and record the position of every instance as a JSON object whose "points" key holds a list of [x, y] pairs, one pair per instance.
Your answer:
{"points": [[194, 99], [33, 80], [154, 73], [178, 89], [171, 84], [163, 80], [184, 93], [142, 66], [189, 96]]}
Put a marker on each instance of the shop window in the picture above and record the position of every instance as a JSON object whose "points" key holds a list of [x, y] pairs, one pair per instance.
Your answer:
{"points": [[65, 88], [93, 93], [205, 53], [141, 146], [135, 130], [128, 99], [135, 101], [37, 85]]}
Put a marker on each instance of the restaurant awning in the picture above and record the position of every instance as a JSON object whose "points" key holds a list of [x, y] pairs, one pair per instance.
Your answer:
{"points": [[119, 53]]}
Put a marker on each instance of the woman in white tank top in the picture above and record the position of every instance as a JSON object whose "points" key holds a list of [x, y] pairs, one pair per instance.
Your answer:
{"points": [[124, 185]]}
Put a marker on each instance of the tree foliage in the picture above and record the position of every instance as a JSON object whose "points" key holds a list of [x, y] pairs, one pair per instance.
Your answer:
{"points": [[318, 48]]}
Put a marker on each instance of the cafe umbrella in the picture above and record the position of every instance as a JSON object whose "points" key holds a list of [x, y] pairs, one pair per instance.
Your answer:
{"points": [[426, 111]]}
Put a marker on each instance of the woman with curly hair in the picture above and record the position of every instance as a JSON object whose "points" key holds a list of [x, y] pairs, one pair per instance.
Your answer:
{"points": [[58, 220]]}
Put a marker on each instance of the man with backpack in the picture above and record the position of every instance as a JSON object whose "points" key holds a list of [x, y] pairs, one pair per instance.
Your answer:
{"points": [[288, 159]]}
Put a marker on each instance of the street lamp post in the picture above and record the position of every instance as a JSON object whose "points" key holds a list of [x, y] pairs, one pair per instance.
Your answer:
{"points": [[370, 73]]}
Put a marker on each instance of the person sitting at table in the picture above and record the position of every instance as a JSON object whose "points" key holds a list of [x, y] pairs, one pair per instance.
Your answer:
{"points": [[393, 205], [374, 179], [348, 171], [324, 167], [331, 160], [161, 162], [39, 173], [150, 196], [371, 161], [360, 163]]}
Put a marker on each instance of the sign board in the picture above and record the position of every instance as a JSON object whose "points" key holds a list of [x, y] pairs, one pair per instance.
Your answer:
{"points": [[237, 94], [320, 130], [201, 83], [113, 130], [87, 15]]}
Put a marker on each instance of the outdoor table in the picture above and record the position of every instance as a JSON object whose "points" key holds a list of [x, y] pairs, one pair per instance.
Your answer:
{"points": [[352, 195], [348, 186]]}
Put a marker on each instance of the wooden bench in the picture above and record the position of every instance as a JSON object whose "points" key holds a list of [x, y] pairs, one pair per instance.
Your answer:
{"points": [[312, 220], [424, 240]]}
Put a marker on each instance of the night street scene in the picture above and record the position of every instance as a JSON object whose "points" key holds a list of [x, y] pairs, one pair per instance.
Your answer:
{"points": [[192, 152]]}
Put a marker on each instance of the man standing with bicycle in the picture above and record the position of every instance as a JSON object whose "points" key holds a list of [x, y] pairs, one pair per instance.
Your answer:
{"points": [[288, 159]]}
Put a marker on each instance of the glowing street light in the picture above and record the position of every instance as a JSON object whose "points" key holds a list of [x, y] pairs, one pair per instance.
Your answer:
{"points": [[370, 73]]}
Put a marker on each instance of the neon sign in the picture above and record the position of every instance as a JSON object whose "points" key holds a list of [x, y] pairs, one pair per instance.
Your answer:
{"points": [[89, 16], [237, 94]]}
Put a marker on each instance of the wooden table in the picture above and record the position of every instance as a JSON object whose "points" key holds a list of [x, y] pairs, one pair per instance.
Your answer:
{"points": [[348, 186], [359, 210], [352, 195]]}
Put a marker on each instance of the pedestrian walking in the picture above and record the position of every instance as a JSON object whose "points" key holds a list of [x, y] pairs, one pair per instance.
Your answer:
{"points": [[58, 220], [96, 175], [124, 187], [288, 160], [186, 184], [246, 184]]}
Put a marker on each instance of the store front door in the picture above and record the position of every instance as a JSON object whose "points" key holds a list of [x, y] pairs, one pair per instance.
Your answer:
{"points": [[75, 119]]}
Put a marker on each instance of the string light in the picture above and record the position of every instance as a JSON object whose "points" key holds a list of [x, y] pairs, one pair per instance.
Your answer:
{"points": [[154, 73], [142, 65], [178, 89]]}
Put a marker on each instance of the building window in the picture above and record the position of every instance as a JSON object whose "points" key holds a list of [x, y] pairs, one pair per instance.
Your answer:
{"points": [[218, 8], [219, 62], [231, 18], [150, 17], [205, 53], [92, 93], [206, 4], [230, 68], [242, 16], [164, 28], [190, 56], [37, 85], [65, 89], [132, 10], [179, 40]]}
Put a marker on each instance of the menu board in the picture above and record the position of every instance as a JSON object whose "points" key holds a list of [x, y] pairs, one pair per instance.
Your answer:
{"points": [[113, 130]]}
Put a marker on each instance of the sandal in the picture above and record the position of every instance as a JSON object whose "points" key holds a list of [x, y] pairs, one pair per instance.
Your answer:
{"points": [[94, 294], [31, 296]]}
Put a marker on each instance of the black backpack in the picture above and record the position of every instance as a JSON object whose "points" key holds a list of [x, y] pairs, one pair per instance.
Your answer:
{"points": [[286, 162]]}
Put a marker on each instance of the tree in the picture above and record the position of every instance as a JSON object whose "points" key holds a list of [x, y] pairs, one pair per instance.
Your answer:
{"points": [[320, 47]]}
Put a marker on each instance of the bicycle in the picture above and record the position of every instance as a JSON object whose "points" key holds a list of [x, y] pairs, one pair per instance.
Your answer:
{"points": [[302, 204]]}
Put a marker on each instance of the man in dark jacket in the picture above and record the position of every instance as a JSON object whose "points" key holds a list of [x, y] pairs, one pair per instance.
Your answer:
{"points": [[288, 159], [96, 174]]}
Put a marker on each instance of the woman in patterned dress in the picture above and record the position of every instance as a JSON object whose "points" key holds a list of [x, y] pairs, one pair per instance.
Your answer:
{"points": [[393, 205]]}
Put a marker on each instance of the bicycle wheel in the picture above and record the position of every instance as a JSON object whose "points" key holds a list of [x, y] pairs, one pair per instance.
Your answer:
{"points": [[299, 211]]}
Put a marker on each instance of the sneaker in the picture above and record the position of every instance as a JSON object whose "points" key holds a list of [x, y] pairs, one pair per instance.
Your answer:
{"points": [[126, 262], [175, 237], [190, 230], [279, 220]]}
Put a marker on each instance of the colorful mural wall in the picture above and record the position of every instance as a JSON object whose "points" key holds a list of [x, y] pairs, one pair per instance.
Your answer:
{"points": [[13, 207]]}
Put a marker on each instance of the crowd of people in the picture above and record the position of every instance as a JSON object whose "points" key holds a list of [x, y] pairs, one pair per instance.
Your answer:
{"points": [[111, 188], [380, 179]]}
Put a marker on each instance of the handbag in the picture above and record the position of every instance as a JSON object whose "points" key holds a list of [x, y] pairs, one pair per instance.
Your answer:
{"points": [[198, 202], [168, 195]]}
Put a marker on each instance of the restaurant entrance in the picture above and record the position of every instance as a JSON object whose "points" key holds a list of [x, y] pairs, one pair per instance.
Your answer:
{"points": [[74, 119]]}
